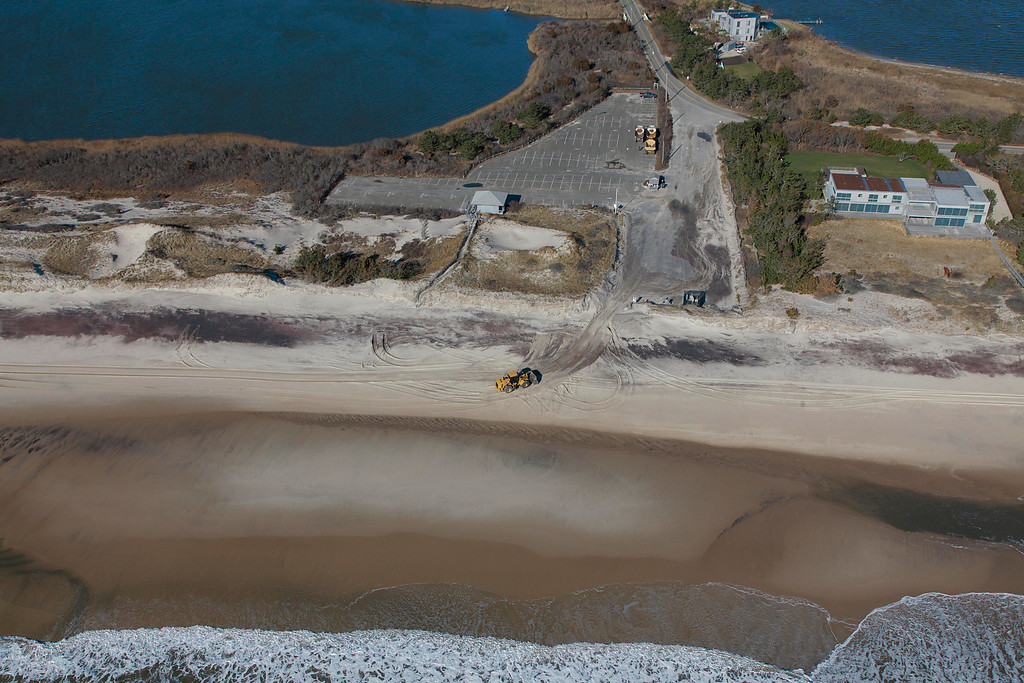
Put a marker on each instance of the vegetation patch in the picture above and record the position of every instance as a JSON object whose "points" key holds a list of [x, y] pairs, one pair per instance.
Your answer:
{"points": [[761, 92], [75, 255], [351, 260], [578, 64], [570, 271], [204, 255], [841, 81], [757, 171]]}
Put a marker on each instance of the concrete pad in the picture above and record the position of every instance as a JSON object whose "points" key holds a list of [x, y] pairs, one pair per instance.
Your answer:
{"points": [[1000, 210]]}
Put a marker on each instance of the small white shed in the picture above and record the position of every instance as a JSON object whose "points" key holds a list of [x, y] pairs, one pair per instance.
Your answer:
{"points": [[490, 202]]}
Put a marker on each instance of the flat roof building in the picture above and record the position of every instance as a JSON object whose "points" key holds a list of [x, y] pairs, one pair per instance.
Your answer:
{"points": [[949, 209], [961, 178], [487, 201], [739, 24]]}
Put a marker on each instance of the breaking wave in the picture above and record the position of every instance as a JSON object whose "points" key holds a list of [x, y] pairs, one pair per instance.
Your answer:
{"points": [[933, 637], [207, 654]]}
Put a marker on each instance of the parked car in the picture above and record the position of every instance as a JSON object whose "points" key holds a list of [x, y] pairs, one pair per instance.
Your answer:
{"points": [[647, 95]]}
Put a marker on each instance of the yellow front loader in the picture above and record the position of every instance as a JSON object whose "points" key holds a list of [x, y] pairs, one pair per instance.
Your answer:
{"points": [[516, 380]]}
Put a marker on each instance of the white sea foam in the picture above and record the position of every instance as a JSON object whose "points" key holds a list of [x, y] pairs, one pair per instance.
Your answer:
{"points": [[208, 654], [936, 638], [933, 637]]}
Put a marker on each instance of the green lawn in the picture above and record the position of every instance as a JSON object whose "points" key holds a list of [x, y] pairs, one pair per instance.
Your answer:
{"points": [[746, 70], [810, 164]]}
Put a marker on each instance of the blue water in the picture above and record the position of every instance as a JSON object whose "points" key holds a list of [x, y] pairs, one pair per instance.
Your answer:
{"points": [[324, 72], [979, 35]]}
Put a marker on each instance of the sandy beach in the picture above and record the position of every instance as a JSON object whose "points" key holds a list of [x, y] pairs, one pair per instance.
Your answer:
{"points": [[205, 518], [242, 452]]}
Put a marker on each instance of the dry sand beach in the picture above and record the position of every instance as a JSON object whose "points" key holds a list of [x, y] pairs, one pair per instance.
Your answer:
{"points": [[175, 479]]}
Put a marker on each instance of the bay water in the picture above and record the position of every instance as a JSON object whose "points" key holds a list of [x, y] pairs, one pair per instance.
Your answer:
{"points": [[321, 72], [977, 36]]}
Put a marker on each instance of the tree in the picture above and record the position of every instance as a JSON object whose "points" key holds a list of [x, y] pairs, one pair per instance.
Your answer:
{"points": [[429, 142], [1017, 180], [534, 114], [506, 132], [991, 194], [472, 146]]}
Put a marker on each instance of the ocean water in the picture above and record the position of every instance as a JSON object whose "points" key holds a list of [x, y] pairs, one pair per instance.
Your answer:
{"points": [[978, 36], [964, 638], [323, 72]]}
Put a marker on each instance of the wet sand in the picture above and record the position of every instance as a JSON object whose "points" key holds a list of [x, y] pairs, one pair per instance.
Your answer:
{"points": [[278, 522]]}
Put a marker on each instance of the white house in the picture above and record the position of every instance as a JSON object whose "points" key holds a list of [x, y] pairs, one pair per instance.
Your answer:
{"points": [[950, 208], [739, 24], [855, 192], [486, 201]]}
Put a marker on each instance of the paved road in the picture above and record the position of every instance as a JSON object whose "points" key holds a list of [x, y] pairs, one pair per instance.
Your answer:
{"points": [[676, 89], [684, 237]]}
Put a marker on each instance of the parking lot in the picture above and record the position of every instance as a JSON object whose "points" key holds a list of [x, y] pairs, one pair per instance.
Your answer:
{"points": [[593, 160]]}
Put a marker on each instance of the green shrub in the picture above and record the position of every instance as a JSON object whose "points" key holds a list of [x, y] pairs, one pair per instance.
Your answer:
{"points": [[533, 115], [866, 117], [908, 118], [429, 142], [924, 151], [506, 132], [1017, 180], [775, 193], [969, 147], [347, 268]]}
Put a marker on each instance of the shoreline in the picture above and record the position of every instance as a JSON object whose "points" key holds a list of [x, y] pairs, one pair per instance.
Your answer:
{"points": [[895, 60], [953, 70], [532, 7]]}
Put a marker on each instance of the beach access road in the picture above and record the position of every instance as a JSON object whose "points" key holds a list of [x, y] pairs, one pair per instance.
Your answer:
{"points": [[593, 160], [685, 236]]}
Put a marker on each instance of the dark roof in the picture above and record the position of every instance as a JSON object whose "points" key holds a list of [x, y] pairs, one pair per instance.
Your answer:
{"points": [[958, 178], [741, 14], [730, 61], [884, 184], [860, 183], [848, 181]]}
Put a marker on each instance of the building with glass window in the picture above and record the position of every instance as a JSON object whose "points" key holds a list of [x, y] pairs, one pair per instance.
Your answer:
{"points": [[739, 24], [952, 209]]}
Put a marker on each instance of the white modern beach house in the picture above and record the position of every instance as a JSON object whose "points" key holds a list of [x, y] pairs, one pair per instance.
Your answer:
{"points": [[739, 24], [953, 207]]}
